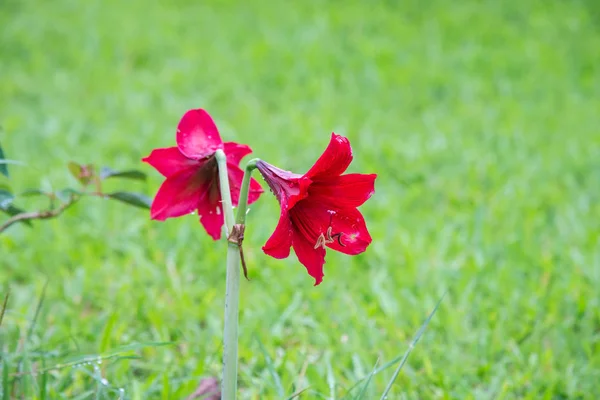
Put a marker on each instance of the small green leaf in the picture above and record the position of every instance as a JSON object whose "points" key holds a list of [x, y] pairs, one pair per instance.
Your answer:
{"points": [[106, 173], [33, 192], [3, 167], [67, 195], [7, 207], [6, 199], [4, 182], [134, 199], [83, 173], [75, 169], [11, 210], [5, 161]]}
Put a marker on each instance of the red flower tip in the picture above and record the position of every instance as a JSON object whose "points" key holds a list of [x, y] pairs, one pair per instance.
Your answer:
{"points": [[289, 188], [192, 179], [319, 208]]}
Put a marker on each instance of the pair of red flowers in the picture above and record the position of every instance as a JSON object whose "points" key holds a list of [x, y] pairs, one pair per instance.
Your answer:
{"points": [[318, 209]]}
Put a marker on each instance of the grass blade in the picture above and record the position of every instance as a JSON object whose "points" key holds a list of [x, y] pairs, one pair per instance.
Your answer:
{"points": [[410, 348], [363, 391], [297, 394], [271, 368], [5, 380], [105, 342], [3, 169], [43, 381], [4, 305], [37, 312], [384, 366], [24, 361], [330, 379]]}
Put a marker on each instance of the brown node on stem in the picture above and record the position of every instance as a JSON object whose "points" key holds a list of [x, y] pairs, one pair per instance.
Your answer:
{"points": [[237, 237]]}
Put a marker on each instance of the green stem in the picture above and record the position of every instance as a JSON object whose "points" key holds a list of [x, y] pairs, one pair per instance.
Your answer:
{"points": [[225, 191], [232, 289], [243, 206]]}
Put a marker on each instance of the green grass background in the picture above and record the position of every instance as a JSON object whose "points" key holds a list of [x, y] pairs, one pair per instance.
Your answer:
{"points": [[481, 118]]}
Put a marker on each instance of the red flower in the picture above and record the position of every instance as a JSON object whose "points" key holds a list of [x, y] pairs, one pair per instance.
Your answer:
{"points": [[318, 208], [192, 175]]}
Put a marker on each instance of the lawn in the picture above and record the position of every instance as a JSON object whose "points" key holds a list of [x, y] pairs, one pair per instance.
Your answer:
{"points": [[480, 118]]}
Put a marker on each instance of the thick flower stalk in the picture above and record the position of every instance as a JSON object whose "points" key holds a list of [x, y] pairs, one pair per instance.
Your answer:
{"points": [[319, 208], [191, 172]]}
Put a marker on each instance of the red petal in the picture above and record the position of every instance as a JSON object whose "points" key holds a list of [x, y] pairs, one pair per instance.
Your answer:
{"points": [[169, 161], [178, 195], [355, 237], [197, 135], [236, 176], [334, 161], [255, 191], [310, 220], [235, 152], [346, 191], [313, 219], [211, 211], [312, 259], [279, 243]]}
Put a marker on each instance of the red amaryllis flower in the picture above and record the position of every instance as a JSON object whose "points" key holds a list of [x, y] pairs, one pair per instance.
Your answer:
{"points": [[319, 208], [192, 182]]}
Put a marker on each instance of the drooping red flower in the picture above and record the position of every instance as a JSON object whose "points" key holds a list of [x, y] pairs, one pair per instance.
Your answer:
{"points": [[319, 208], [192, 177]]}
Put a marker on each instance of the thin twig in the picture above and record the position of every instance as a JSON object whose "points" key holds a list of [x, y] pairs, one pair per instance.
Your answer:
{"points": [[45, 214]]}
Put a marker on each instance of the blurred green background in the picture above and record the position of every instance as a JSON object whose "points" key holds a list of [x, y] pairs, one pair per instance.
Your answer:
{"points": [[481, 119]]}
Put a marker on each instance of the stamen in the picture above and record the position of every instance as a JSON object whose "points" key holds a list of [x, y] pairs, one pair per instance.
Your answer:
{"points": [[338, 236], [329, 234], [321, 241]]}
